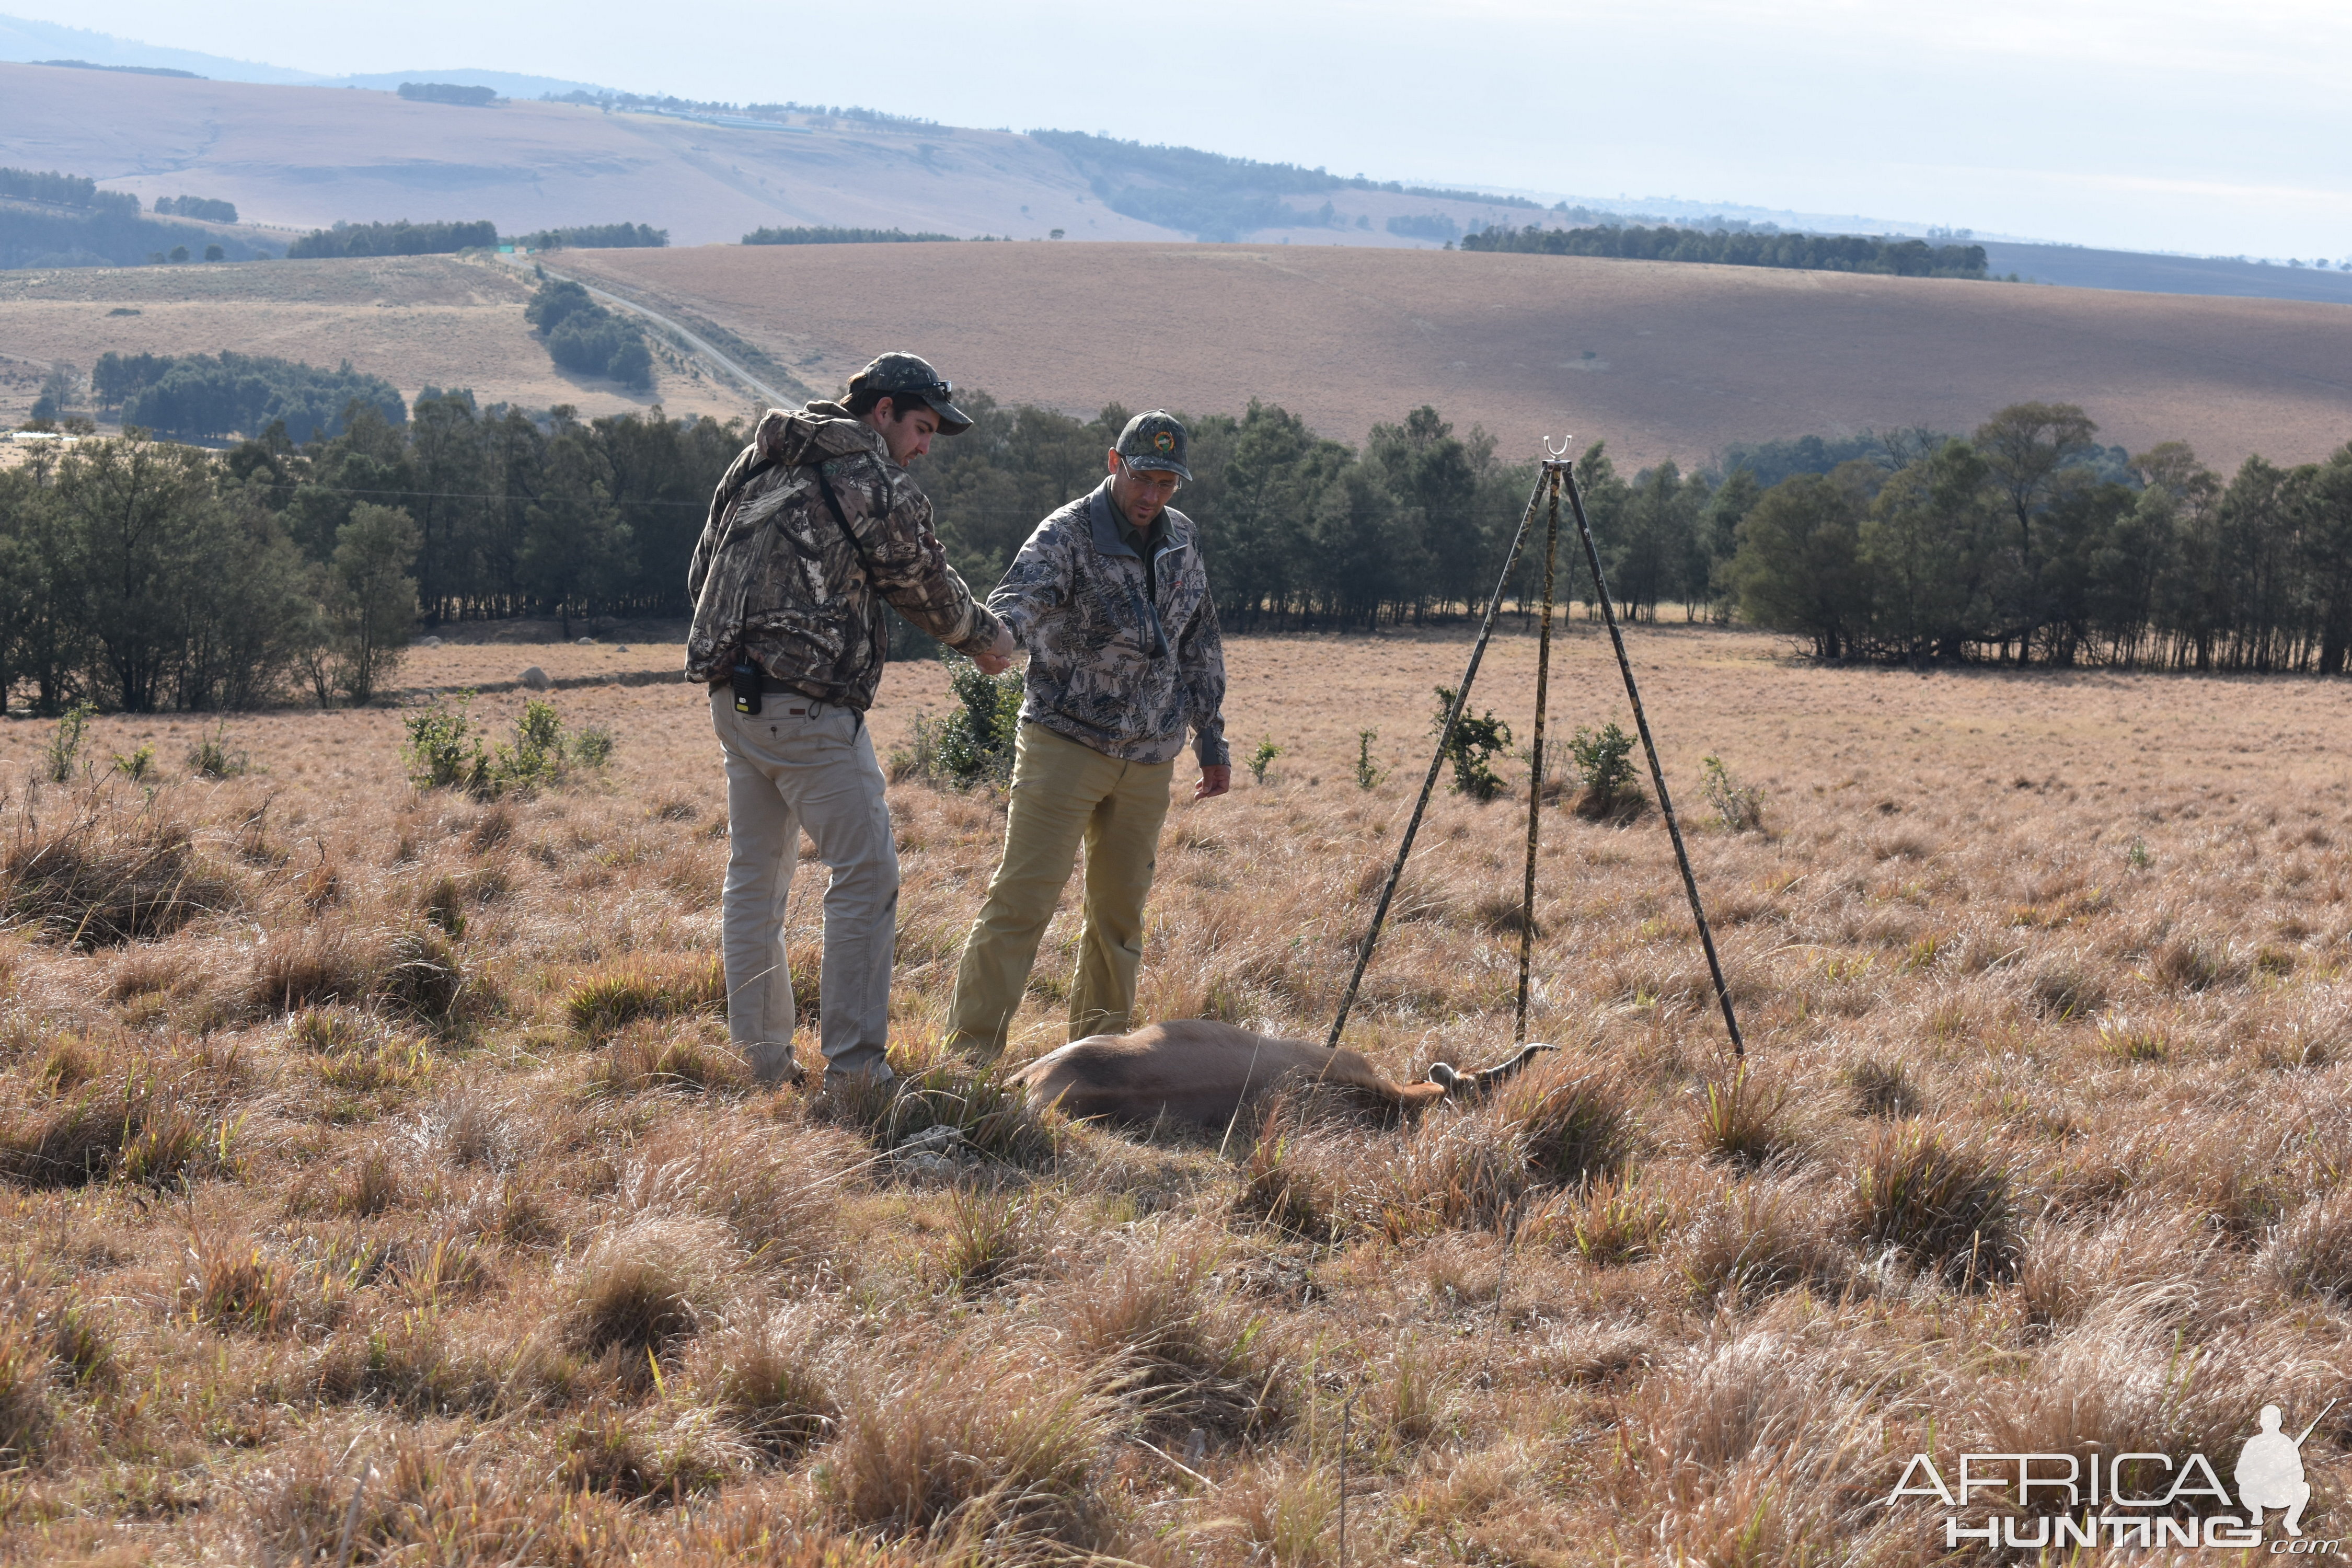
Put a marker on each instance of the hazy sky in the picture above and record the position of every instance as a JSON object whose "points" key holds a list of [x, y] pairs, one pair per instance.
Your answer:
{"points": [[2160, 124]]}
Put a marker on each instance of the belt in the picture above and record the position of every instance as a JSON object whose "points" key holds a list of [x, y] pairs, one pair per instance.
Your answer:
{"points": [[769, 686], [810, 707]]}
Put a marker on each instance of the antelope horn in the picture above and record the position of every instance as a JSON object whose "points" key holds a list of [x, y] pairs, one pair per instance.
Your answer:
{"points": [[1495, 1075]]}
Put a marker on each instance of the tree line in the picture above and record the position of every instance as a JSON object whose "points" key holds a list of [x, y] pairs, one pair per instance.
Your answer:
{"points": [[399, 238], [141, 574], [65, 191], [1814, 252], [208, 209], [597, 236], [207, 396], [70, 222], [2014, 545], [448, 92], [822, 235], [584, 336]]}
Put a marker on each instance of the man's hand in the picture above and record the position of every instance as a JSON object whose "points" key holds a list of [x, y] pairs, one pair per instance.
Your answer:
{"points": [[999, 658], [1215, 782]]}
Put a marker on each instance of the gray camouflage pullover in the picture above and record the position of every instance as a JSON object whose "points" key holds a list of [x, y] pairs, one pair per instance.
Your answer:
{"points": [[1111, 667], [778, 576]]}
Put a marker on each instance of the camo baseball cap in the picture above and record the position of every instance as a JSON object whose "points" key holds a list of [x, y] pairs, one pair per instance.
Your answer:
{"points": [[901, 376], [1154, 440]]}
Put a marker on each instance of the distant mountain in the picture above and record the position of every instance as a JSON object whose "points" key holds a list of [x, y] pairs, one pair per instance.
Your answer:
{"points": [[28, 41]]}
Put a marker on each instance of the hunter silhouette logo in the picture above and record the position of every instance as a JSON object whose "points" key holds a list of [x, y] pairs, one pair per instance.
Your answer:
{"points": [[2269, 1471], [2136, 1498]]}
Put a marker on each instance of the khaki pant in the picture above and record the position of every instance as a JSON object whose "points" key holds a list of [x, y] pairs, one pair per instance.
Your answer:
{"points": [[1064, 796], [787, 771]]}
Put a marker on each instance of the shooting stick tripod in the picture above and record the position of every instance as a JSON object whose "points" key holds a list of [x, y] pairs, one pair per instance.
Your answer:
{"points": [[1558, 474]]}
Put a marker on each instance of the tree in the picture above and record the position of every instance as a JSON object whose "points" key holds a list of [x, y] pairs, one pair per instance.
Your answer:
{"points": [[2028, 449], [24, 587], [373, 606], [2325, 500], [1658, 528], [1798, 568], [133, 510], [575, 549], [1717, 539], [1428, 472], [248, 631], [1258, 542], [1927, 547]]}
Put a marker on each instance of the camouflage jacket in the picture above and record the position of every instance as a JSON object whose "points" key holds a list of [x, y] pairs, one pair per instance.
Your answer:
{"points": [[778, 576], [1109, 668]]}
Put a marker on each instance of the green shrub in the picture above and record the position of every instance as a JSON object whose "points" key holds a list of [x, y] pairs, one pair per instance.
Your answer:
{"points": [[1604, 761], [443, 750], [1741, 805], [1471, 747], [975, 744], [211, 758], [65, 743], [138, 764], [592, 746], [1262, 759], [1368, 774]]}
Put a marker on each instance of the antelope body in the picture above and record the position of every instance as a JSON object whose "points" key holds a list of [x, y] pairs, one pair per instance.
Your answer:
{"points": [[1194, 1070]]}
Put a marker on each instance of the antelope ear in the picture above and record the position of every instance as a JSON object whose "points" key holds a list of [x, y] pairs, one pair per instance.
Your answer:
{"points": [[1442, 1074]]}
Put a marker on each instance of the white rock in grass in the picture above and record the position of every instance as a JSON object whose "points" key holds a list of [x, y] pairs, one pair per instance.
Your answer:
{"points": [[536, 678], [584, 642], [428, 642]]}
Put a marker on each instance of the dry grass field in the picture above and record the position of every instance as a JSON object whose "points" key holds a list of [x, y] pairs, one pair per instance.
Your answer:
{"points": [[379, 1187], [417, 321], [1660, 359]]}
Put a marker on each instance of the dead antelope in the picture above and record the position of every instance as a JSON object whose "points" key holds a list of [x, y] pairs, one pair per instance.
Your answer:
{"points": [[1192, 1070]]}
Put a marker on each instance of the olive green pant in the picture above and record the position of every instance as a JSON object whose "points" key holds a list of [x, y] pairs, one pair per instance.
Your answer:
{"points": [[1064, 796]]}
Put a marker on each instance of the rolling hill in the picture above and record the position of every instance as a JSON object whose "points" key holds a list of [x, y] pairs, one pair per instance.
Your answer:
{"points": [[1660, 359], [418, 321], [304, 157]]}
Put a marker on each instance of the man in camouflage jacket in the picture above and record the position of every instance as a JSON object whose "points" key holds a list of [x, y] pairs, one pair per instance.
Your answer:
{"points": [[814, 529], [1110, 599]]}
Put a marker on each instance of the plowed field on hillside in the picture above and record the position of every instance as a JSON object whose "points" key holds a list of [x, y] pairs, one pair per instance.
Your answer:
{"points": [[1659, 359], [417, 321]]}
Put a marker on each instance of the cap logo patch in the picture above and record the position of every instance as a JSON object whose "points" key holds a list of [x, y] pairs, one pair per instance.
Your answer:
{"points": [[1163, 441]]}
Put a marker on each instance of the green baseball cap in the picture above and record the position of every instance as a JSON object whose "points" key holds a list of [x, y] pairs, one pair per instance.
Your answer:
{"points": [[1154, 440], [900, 377]]}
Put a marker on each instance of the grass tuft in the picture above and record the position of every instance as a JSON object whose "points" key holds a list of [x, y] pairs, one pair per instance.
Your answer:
{"points": [[1742, 1121], [1941, 1200], [769, 1380], [110, 875], [647, 1284], [1884, 1087], [604, 1000], [960, 1441], [1173, 1349]]}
